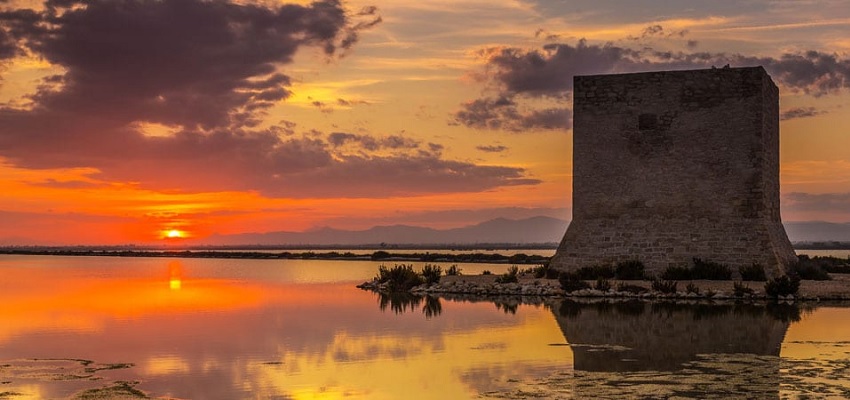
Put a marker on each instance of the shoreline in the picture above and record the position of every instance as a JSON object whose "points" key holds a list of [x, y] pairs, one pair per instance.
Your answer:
{"points": [[483, 286]]}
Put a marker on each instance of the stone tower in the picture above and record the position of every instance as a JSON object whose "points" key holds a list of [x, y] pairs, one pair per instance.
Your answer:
{"points": [[672, 165]]}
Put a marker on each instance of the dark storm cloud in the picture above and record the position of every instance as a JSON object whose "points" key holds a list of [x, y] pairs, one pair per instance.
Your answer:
{"points": [[800, 112], [503, 114], [548, 73]]}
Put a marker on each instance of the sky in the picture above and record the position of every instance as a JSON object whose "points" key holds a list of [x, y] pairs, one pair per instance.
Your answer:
{"points": [[126, 121]]}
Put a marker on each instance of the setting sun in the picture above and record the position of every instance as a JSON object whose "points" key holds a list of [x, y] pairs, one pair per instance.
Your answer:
{"points": [[174, 234]]}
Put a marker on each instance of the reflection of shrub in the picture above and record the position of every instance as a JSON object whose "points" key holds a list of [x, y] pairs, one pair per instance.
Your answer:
{"points": [[741, 290], [571, 282], [453, 270], [754, 272], [676, 273], [602, 284], [664, 286], [631, 270], [510, 276], [507, 308], [710, 271], [432, 307], [628, 288], [399, 278], [431, 273], [399, 302], [782, 286], [595, 272]]}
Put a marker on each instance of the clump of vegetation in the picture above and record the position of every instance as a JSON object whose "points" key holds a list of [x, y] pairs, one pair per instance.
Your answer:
{"points": [[486, 272], [510, 276], [739, 289], [754, 272], [691, 288], [810, 269], [380, 255], [399, 278], [453, 271], [543, 271], [676, 273], [602, 284], [431, 273], [710, 293], [571, 282], [596, 272], [710, 270], [629, 288], [631, 270], [664, 286], [782, 286]]}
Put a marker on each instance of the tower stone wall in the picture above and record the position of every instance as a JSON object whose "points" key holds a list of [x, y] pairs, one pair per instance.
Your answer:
{"points": [[668, 166]]}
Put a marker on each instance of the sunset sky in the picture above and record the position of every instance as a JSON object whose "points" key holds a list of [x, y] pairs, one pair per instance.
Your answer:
{"points": [[124, 120]]}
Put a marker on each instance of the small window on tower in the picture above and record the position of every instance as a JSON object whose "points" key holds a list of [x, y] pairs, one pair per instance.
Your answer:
{"points": [[647, 122]]}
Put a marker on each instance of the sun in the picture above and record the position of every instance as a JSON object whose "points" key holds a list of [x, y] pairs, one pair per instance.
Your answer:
{"points": [[174, 234]]}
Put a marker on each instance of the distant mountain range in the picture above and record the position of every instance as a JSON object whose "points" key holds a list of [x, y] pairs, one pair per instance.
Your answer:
{"points": [[499, 230], [536, 230]]}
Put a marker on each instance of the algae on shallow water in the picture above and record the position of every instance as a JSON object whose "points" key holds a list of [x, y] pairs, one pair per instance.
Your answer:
{"points": [[117, 390]]}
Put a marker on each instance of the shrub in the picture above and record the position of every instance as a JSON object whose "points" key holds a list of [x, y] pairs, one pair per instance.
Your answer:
{"points": [[602, 284], [630, 270], [741, 290], [399, 278], [691, 288], [543, 271], [431, 273], [571, 282], [710, 293], [596, 272], [380, 255], [664, 286], [510, 276], [754, 272], [628, 288], [453, 270], [710, 271], [782, 286], [486, 272], [676, 273], [810, 270]]}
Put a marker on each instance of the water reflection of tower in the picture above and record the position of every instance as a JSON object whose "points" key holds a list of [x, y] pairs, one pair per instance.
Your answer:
{"points": [[175, 274], [706, 351]]}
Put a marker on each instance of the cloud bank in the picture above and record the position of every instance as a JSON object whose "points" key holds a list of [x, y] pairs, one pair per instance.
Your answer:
{"points": [[206, 72]]}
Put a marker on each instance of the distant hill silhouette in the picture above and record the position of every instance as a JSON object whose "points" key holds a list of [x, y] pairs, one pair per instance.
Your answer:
{"points": [[499, 230], [817, 231]]}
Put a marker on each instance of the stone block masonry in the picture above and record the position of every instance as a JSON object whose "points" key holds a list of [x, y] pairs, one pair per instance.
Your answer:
{"points": [[668, 166]]}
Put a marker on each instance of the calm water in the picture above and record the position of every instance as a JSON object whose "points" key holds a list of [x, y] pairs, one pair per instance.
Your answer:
{"points": [[286, 329]]}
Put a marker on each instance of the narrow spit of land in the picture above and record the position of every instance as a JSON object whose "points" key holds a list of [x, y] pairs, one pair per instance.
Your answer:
{"points": [[380, 255]]}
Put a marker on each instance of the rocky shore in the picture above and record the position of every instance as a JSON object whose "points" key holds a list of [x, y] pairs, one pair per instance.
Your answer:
{"points": [[485, 285]]}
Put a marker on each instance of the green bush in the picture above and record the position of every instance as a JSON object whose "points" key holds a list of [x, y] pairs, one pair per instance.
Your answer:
{"points": [[453, 270], [754, 272], [676, 273], [602, 284], [628, 288], [399, 278], [664, 286], [596, 272], [431, 273], [510, 276], [571, 282], [710, 271], [782, 286], [741, 290], [631, 270]]}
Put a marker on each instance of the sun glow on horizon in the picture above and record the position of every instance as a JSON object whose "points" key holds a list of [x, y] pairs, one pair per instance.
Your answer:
{"points": [[174, 234]]}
